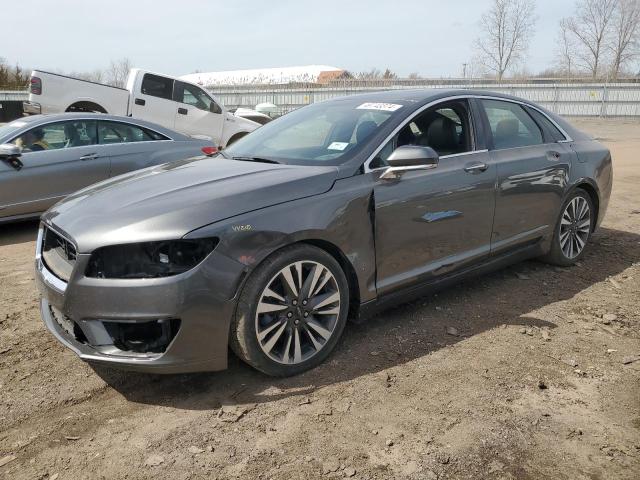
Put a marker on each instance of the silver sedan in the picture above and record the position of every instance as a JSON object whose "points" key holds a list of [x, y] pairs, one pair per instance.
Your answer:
{"points": [[44, 158]]}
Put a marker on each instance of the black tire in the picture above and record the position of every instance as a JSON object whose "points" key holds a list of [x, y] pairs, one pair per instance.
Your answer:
{"points": [[556, 255], [244, 326]]}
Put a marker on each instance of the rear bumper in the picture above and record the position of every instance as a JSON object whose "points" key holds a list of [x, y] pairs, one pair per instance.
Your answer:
{"points": [[84, 313]]}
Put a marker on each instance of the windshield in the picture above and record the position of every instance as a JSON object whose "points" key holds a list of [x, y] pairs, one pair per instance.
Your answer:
{"points": [[323, 133]]}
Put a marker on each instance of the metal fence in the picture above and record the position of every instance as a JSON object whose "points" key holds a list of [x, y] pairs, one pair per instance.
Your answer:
{"points": [[569, 97], [566, 98], [14, 95]]}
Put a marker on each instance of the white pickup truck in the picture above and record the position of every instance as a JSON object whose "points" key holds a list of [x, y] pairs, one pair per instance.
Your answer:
{"points": [[161, 99]]}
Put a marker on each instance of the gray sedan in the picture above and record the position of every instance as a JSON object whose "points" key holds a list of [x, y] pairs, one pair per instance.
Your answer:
{"points": [[338, 209], [44, 158]]}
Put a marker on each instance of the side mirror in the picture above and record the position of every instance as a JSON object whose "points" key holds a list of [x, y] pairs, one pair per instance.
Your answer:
{"points": [[8, 150], [10, 153], [215, 108], [410, 157]]}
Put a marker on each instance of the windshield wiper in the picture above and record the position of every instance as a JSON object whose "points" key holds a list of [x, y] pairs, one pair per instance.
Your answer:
{"points": [[256, 159]]}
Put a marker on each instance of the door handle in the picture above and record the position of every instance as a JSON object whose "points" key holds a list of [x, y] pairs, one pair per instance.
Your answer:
{"points": [[140, 101], [89, 156], [476, 167], [554, 156], [183, 111]]}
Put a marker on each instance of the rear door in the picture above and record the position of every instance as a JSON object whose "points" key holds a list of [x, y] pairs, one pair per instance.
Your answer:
{"points": [[153, 100], [197, 113], [130, 147], [69, 161], [533, 172]]}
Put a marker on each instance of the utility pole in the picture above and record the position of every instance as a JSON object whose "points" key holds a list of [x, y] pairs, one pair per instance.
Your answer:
{"points": [[464, 70]]}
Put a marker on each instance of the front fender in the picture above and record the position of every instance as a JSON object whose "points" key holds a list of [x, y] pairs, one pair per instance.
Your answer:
{"points": [[341, 217], [234, 125]]}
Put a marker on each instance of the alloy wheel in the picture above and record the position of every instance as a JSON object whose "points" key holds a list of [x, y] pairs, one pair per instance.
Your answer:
{"points": [[575, 227], [297, 312]]}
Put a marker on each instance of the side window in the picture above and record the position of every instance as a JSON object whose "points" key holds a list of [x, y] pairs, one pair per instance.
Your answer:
{"points": [[157, 86], [60, 135], [446, 128], [117, 132], [194, 96], [511, 126], [550, 129]]}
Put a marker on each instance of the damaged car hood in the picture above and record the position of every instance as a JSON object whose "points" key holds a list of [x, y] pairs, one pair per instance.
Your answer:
{"points": [[168, 201]]}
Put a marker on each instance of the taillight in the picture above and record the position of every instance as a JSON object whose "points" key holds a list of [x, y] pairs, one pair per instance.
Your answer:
{"points": [[209, 150], [35, 86]]}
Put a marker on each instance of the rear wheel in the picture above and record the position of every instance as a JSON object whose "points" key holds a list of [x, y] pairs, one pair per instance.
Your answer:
{"points": [[573, 230], [291, 312]]}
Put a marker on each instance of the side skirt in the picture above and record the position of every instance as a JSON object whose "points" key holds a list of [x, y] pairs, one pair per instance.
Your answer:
{"points": [[385, 302]]}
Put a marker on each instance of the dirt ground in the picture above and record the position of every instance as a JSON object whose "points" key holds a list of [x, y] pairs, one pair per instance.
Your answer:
{"points": [[541, 382]]}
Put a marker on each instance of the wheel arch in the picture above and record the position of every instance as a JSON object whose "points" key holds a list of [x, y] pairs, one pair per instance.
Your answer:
{"points": [[235, 137], [592, 191], [86, 106], [347, 268], [333, 250]]}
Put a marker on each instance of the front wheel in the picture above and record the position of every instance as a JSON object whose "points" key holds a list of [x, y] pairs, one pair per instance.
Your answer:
{"points": [[291, 312], [573, 230]]}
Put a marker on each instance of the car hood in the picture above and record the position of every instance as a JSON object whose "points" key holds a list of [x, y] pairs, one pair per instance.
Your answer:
{"points": [[168, 201]]}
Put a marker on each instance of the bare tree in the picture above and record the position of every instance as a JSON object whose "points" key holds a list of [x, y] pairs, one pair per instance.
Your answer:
{"points": [[624, 43], [118, 71], [590, 27], [565, 50], [376, 74], [506, 30]]}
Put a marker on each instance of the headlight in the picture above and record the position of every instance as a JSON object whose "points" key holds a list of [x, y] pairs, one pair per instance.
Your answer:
{"points": [[149, 259]]}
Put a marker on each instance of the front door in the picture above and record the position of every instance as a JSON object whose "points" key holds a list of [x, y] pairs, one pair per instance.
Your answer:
{"points": [[58, 159], [434, 222]]}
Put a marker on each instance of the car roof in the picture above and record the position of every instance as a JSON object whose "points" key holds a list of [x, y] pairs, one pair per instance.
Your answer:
{"points": [[35, 120], [424, 95]]}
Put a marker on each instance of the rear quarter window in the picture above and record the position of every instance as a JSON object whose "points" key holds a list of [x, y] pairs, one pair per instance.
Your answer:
{"points": [[157, 86], [551, 131]]}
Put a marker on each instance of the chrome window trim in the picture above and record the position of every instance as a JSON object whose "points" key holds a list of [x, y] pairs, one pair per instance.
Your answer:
{"points": [[367, 162], [86, 119], [567, 137]]}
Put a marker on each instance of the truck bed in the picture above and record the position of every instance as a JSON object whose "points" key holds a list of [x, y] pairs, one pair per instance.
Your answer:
{"points": [[62, 93]]}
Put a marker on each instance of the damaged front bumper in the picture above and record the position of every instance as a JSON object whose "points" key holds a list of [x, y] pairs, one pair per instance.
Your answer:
{"points": [[175, 324]]}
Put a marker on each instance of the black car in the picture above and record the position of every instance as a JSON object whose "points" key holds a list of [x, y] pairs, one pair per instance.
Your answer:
{"points": [[332, 211]]}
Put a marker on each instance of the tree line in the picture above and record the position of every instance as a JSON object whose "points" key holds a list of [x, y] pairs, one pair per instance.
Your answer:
{"points": [[601, 39], [115, 74]]}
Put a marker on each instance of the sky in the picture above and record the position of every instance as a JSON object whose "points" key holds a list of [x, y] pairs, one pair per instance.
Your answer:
{"points": [[430, 37]]}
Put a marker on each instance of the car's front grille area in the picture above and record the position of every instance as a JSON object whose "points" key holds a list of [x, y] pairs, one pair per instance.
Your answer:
{"points": [[58, 254]]}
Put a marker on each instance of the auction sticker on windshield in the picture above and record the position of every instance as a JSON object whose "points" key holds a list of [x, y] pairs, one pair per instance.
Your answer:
{"points": [[386, 107], [338, 146]]}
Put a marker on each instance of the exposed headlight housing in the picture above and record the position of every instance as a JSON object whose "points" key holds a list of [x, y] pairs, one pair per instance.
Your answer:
{"points": [[149, 259]]}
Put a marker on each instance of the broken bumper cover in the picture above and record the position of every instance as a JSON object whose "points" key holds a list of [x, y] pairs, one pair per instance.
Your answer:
{"points": [[175, 324]]}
